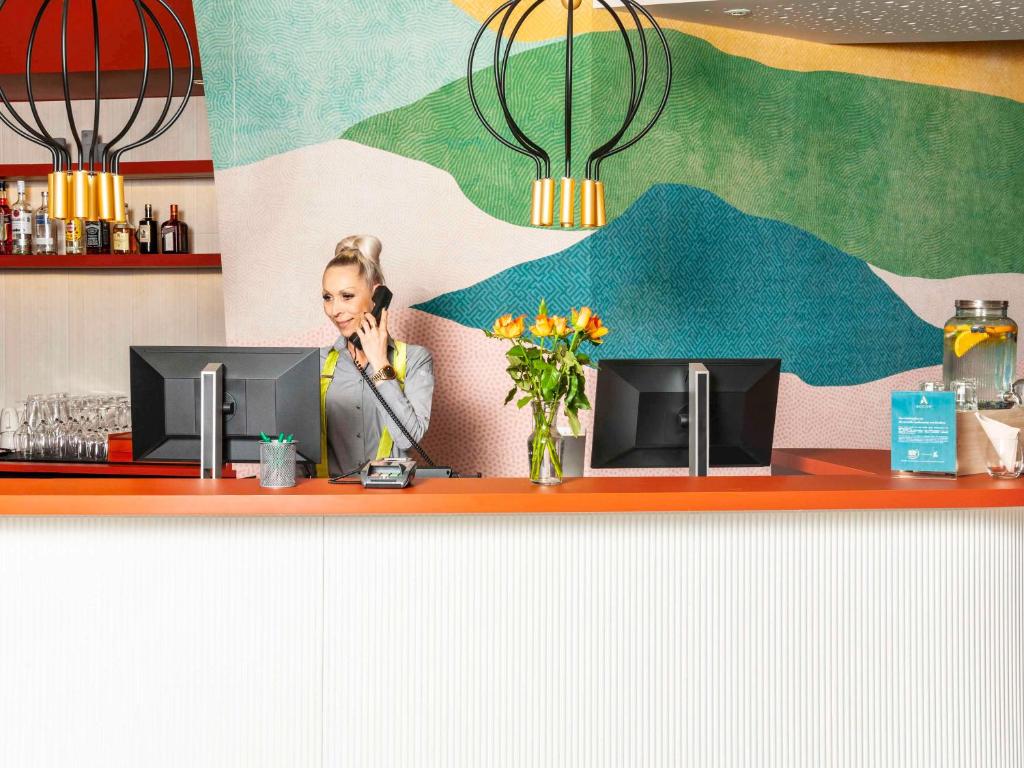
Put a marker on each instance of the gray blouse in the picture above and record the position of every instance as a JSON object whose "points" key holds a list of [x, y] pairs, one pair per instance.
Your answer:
{"points": [[355, 418]]}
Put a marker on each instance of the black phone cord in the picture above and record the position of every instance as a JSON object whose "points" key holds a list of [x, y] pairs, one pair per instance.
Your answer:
{"points": [[394, 418]]}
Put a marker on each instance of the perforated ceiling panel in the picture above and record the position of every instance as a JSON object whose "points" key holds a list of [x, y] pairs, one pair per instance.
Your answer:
{"points": [[858, 21]]}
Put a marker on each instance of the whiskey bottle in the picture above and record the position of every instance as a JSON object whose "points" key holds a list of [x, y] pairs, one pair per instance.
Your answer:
{"points": [[5, 220], [93, 237], [21, 223], [174, 234], [123, 235], [149, 235], [44, 233]]}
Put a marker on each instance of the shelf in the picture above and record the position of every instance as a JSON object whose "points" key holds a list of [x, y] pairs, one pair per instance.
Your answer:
{"points": [[156, 169], [114, 261], [114, 84], [139, 469]]}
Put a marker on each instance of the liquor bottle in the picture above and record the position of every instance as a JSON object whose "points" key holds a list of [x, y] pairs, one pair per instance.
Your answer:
{"points": [[149, 236], [44, 240], [104, 237], [93, 241], [74, 236], [21, 223], [5, 220], [174, 234], [123, 235]]}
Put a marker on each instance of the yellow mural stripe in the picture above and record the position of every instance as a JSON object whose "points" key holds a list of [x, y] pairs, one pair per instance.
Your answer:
{"points": [[992, 68]]}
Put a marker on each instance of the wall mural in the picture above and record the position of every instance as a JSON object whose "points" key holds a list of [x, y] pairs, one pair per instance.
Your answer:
{"points": [[824, 204]]}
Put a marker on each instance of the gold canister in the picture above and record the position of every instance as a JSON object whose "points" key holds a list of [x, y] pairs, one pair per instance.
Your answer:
{"points": [[542, 207], [118, 197], [105, 196], [599, 204], [79, 202], [567, 213], [588, 203]]}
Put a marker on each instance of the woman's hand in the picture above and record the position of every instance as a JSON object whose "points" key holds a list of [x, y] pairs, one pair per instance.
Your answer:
{"points": [[374, 338]]}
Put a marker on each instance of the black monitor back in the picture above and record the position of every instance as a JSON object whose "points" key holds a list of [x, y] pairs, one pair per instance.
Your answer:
{"points": [[642, 409], [269, 390]]}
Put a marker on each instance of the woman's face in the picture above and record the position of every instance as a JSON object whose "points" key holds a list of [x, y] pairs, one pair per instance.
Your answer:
{"points": [[346, 297]]}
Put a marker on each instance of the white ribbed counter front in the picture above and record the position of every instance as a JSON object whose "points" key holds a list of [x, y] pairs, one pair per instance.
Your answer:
{"points": [[758, 638]]}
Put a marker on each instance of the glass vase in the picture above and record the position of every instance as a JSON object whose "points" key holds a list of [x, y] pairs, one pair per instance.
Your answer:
{"points": [[545, 444]]}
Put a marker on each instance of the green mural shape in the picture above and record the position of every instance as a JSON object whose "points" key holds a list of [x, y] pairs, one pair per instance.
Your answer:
{"points": [[918, 180]]}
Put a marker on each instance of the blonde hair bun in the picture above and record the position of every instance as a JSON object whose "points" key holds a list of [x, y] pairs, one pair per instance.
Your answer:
{"points": [[363, 250]]}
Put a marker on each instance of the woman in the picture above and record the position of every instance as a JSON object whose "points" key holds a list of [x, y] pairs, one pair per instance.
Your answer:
{"points": [[355, 427]]}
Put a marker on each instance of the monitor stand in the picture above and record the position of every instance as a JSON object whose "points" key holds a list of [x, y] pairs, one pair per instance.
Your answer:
{"points": [[211, 422], [699, 417]]}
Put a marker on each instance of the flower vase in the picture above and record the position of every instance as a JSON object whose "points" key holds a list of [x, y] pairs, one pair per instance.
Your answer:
{"points": [[545, 444]]}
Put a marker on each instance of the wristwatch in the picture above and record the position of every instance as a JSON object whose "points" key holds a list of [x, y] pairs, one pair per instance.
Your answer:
{"points": [[384, 374]]}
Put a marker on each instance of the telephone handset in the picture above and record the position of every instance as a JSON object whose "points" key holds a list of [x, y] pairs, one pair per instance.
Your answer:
{"points": [[381, 301]]}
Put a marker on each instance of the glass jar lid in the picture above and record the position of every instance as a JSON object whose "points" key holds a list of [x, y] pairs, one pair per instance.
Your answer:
{"points": [[982, 304]]}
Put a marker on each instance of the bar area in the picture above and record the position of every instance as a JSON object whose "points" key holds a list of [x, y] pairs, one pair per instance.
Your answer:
{"points": [[467, 382]]}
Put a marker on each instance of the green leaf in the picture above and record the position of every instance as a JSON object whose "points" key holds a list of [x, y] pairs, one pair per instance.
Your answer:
{"points": [[543, 308], [523, 401], [574, 422], [510, 395], [583, 359]]}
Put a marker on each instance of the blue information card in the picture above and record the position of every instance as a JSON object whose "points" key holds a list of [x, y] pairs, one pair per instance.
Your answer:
{"points": [[923, 432]]}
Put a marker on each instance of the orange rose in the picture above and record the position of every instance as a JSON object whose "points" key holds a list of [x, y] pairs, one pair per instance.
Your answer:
{"points": [[581, 318], [559, 326], [595, 329], [542, 326], [508, 328]]}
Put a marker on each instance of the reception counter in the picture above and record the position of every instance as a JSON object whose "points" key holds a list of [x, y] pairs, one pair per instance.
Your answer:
{"points": [[845, 619]]}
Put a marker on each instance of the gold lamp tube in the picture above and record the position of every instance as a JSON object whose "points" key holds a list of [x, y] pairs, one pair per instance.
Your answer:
{"points": [[566, 215], [599, 208], [92, 208], [588, 203], [105, 196], [542, 208], [49, 190], [118, 197], [80, 194]]}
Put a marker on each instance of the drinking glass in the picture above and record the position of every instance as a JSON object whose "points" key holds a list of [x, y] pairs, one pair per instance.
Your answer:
{"points": [[1004, 457], [965, 393], [8, 427]]}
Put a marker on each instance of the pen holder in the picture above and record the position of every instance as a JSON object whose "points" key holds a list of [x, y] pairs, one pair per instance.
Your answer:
{"points": [[277, 465]]}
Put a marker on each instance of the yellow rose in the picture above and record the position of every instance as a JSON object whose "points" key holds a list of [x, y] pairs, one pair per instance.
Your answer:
{"points": [[542, 326], [595, 329], [508, 328], [581, 318], [559, 326]]}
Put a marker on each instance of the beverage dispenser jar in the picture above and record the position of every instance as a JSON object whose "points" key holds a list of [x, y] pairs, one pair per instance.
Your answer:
{"points": [[980, 343]]}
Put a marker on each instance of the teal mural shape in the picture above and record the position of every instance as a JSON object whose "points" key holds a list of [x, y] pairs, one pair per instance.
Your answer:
{"points": [[684, 274], [280, 76]]}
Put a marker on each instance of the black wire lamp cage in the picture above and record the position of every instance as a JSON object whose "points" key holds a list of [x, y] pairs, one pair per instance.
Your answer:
{"points": [[93, 188], [592, 208]]}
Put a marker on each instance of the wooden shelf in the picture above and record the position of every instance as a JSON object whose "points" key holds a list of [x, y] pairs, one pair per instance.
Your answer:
{"points": [[114, 261], [156, 169]]}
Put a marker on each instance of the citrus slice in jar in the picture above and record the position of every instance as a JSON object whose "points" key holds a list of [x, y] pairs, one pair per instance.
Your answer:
{"points": [[967, 341]]}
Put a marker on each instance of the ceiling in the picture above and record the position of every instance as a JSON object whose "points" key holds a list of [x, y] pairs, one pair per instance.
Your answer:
{"points": [[856, 21]]}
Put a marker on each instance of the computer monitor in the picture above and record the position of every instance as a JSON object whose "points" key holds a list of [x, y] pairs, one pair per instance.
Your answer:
{"points": [[642, 412], [268, 390]]}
